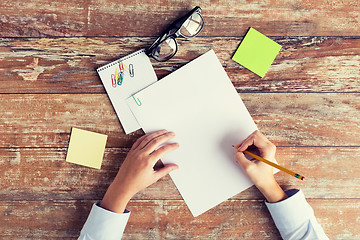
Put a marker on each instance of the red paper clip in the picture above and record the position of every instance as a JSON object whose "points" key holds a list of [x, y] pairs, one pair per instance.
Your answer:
{"points": [[113, 80], [121, 66]]}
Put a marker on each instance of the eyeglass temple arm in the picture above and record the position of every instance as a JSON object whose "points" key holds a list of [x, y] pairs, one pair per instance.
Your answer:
{"points": [[172, 29], [168, 32], [181, 20]]}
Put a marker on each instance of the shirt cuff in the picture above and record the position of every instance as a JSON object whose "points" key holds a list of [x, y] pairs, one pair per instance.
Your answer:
{"points": [[104, 224], [291, 212]]}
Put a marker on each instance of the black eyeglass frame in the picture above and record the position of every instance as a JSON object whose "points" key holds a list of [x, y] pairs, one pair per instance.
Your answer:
{"points": [[173, 31]]}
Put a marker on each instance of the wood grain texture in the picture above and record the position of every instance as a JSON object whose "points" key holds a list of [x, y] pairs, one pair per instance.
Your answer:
{"points": [[161, 219], [308, 104], [41, 18], [67, 65], [43, 174], [289, 119]]}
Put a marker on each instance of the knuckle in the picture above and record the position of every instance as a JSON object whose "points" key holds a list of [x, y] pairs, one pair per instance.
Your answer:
{"points": [[148, 162], [140, 155], [164, 149], [160, 151], [272, 146], [155, 141], [147, 138]]}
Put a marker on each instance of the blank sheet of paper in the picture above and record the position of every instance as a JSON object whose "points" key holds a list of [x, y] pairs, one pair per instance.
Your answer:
{"points": [[86, 148], [199, 103]]}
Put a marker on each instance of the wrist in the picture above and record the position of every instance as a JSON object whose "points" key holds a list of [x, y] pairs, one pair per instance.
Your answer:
{"points": [[272, 192], [115, 199]]}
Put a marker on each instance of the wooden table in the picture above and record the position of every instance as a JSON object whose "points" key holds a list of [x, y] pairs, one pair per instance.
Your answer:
{"points": [[308, 104]]}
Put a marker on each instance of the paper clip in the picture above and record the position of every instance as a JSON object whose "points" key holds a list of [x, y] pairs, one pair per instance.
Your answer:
{"points": [[138, 102], [131, 70], [126, 68], [120, 78], [121, 66], [113, 80]]}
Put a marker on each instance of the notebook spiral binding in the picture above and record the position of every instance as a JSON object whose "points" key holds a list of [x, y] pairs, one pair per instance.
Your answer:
{"points": [[122, 59]]}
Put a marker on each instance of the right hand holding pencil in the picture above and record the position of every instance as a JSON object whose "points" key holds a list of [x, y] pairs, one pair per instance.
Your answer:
{"points": [[260, 174]]}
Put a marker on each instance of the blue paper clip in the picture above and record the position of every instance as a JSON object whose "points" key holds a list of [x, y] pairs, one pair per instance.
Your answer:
{"points": [[120, 78]]}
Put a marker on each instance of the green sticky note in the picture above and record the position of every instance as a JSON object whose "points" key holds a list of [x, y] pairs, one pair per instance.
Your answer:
{"points": [[256, 52], [86, 148]]}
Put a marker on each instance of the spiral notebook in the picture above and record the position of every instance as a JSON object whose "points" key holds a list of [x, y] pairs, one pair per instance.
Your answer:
{"points": [[123, 78]]}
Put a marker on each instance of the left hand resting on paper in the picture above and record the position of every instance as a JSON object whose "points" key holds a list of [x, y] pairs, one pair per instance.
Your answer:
{"points": [[137, 172]]}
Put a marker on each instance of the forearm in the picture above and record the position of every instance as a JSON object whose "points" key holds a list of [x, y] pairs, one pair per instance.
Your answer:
{"points": [[115, 198], [272, 192]]}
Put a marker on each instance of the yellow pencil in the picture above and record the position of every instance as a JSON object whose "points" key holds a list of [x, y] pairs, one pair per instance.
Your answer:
{"points": [[273, 164]]}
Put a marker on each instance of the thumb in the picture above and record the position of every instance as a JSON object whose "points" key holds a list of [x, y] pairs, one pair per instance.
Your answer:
{"points": [[165, 170], [242, 160]]}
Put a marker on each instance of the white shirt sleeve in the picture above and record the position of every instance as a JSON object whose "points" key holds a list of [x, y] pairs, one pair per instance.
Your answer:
{"points": [[295, 218], [103, 224]]}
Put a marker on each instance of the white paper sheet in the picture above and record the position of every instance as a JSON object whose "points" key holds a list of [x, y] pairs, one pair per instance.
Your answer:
{"points": [[199, 103], [138, 73]]}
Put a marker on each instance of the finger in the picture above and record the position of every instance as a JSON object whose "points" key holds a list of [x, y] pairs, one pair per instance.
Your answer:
{"points": [[238, 146], [165, 171], [248, 142], [150, 137], [260, 140], [157, 141], [242, 160], [268, 151], [138, 141], [257, 139], [159, 153]]}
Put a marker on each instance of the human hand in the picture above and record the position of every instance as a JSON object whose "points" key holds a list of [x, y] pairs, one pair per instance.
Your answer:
{"points": [[137, 172], [261, 174]]}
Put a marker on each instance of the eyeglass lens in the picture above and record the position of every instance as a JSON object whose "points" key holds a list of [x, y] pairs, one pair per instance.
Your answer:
{"points": [[165, 50], [168, 48], [192, 25]]}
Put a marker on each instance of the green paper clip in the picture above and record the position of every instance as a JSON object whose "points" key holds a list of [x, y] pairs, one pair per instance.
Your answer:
{"points": [[138, 102]]}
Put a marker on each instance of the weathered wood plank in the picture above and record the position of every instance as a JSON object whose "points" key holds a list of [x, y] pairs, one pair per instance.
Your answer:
{"points": [[170, 219], [301, 119], [222, 18], [67, 65], [43, 174]]}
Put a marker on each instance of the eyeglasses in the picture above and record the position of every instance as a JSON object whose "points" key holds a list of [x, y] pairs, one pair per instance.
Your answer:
{"points": [[188, 26]]}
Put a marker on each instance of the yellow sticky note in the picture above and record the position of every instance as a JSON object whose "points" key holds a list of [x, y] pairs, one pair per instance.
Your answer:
{"points": [[256, 52], [86, 148]]}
